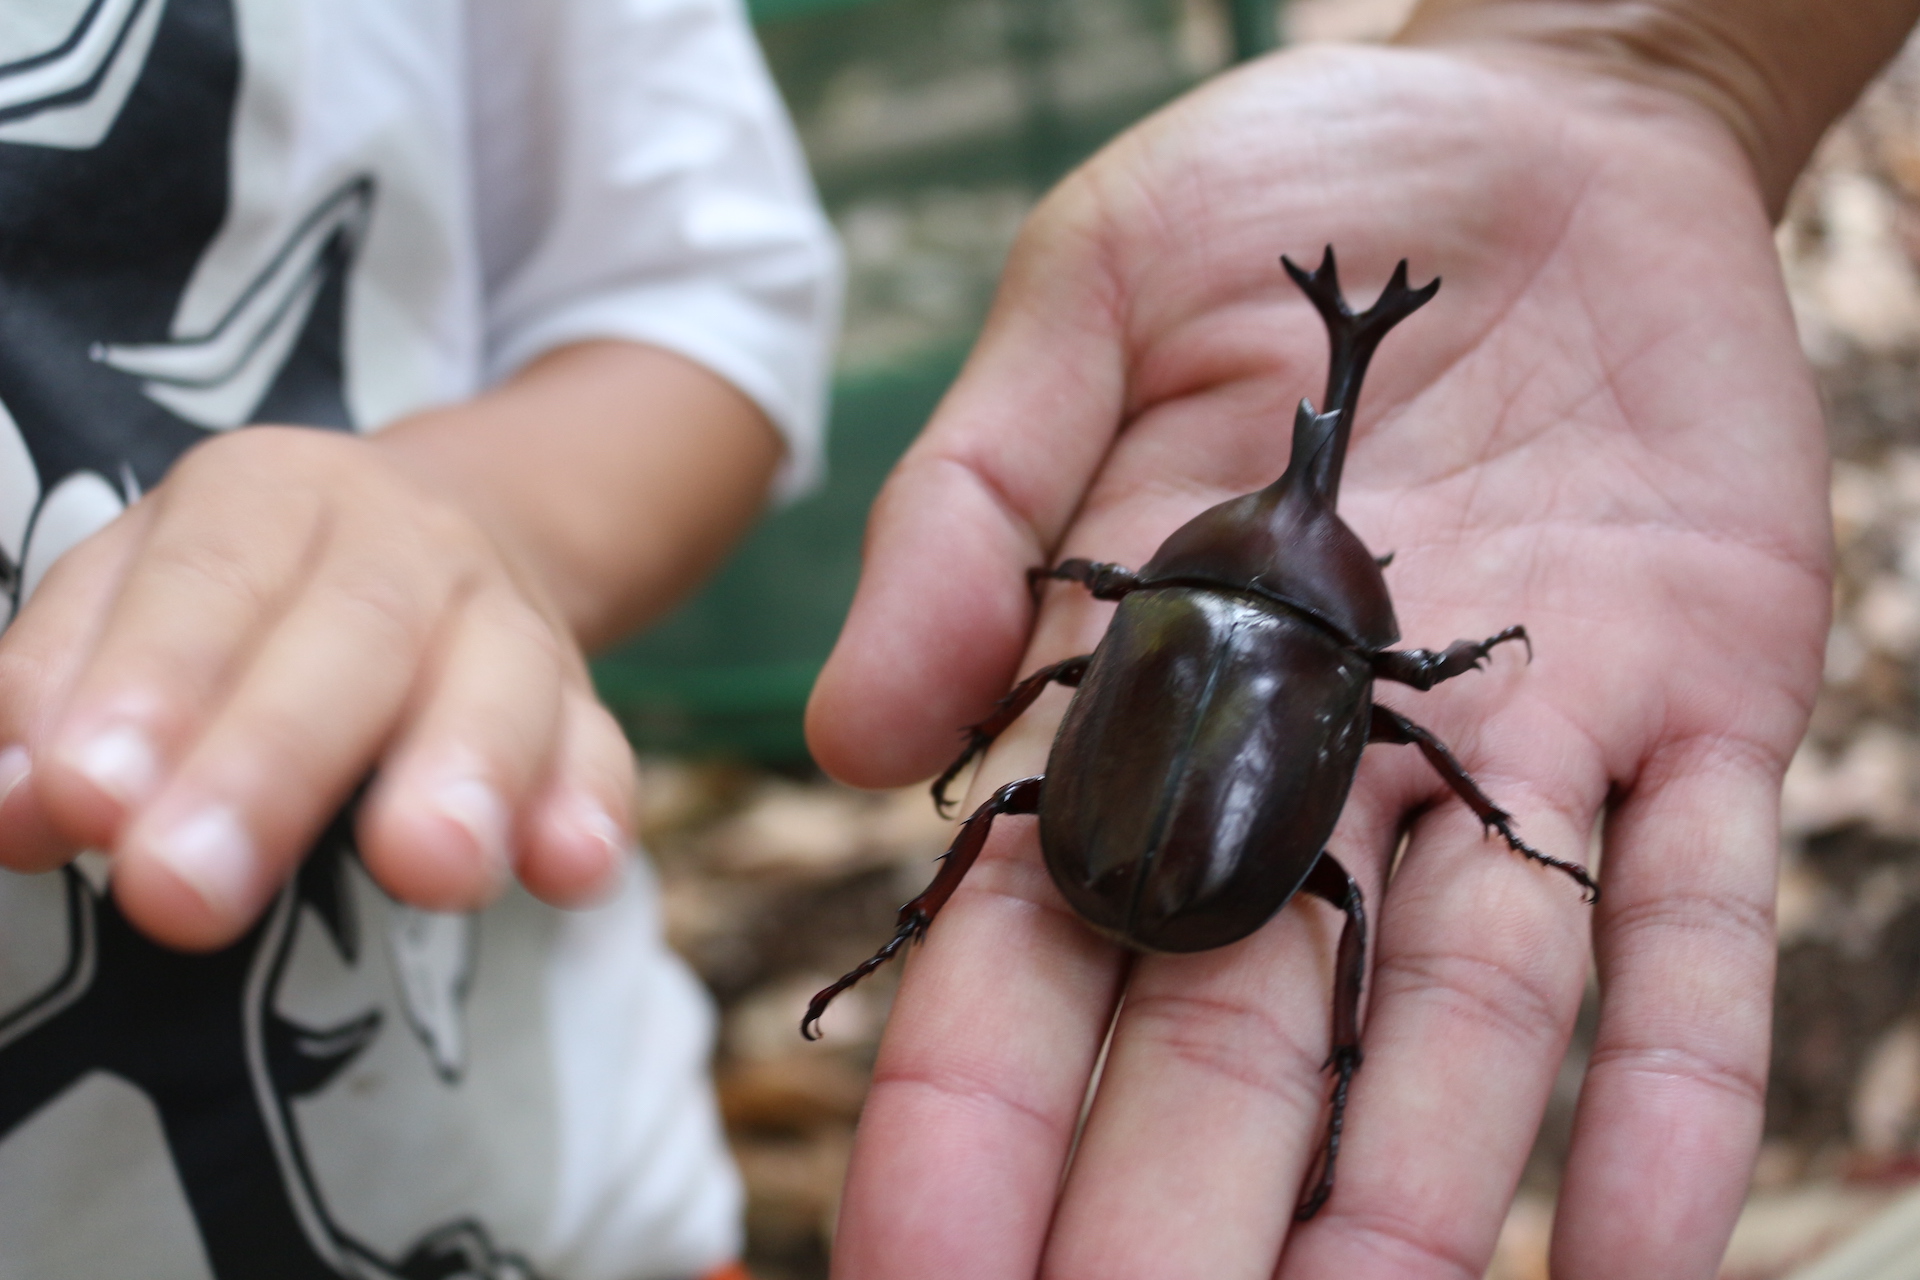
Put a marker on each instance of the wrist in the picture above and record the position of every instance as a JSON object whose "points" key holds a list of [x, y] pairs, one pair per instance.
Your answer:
{"points": [[1776, 73], [613, 475]]}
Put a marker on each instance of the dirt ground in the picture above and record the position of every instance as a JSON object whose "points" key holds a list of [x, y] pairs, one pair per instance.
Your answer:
{"points": [[775, 884]]}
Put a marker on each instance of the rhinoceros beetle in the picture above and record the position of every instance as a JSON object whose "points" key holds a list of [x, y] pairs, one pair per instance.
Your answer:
{"points": [[1216, 729]]}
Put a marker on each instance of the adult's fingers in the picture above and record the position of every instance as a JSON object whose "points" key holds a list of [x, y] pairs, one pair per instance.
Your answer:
{"points": [[1213, 1102], [1477, 978], [1671, 1110], [942, 611], [982, 1072]]}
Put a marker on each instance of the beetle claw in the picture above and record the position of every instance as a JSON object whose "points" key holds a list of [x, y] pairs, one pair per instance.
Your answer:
{"points": [[1515, 632], [1344, 1057], [976, 743], [1590, 891], [912, 928]]}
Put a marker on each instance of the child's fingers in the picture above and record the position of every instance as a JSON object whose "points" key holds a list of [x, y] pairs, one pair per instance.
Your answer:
{"points": [[215, 564], [40, 653], [578, 829], [439, 826], [201, 702], [267, 767]]}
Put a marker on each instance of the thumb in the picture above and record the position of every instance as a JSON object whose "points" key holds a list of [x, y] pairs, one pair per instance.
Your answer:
{"points": [[942, 611]]}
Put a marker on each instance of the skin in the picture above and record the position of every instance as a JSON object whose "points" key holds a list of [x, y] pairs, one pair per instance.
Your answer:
{"points": [[1603, 428], [201, 684]]}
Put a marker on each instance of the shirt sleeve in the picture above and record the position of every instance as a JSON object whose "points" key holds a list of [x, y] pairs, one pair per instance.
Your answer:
{"points": [[637, 177]]}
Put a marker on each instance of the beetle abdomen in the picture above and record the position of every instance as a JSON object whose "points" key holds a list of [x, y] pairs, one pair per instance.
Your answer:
{"points": [[1201, 767]]}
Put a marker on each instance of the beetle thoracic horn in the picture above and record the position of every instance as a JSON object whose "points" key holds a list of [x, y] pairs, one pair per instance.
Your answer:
{"points": [[1354, 339]]}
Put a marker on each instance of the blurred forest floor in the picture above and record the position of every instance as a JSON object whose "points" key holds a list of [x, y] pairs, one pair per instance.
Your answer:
{"points": [[776, 884]]}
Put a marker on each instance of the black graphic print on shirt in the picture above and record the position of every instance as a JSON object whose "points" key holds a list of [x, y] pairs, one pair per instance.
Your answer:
{"points": [[200, 1037], [105, 213], [97, 246]]}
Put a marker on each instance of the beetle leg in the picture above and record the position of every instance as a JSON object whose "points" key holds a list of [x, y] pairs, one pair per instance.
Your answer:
{"points": [[1005, 712], [1016, 797], [1390, 726], [1423, 668], [1329, 880], [1106, 581]]}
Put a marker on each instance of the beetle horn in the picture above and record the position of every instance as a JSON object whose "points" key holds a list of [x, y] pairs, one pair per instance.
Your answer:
{"points": [[1354, 339]]}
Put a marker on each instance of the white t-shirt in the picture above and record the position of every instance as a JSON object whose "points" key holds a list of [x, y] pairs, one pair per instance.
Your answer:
{"points": [[335, 212]]}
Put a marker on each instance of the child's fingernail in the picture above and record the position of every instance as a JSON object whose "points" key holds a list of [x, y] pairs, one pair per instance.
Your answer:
{"points": [[477, 809], [15, 765], [120, 761], [212, 854], [614, 847]]}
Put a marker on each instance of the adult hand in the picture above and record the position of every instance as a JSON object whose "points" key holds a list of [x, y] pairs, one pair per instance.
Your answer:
{"points": [[1602, 428], [200, 686]]}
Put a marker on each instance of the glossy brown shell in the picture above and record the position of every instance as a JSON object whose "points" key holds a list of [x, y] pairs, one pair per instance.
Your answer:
{"points": [[1201, 766]]}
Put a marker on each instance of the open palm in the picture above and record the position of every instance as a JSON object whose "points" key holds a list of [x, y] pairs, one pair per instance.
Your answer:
{"points": [[1602, 429]]}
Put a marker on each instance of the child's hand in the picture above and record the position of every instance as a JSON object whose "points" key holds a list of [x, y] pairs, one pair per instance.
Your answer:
{"points": [[204, 682], [200, 686]]}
